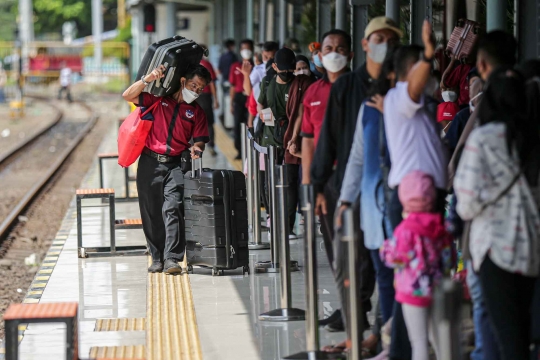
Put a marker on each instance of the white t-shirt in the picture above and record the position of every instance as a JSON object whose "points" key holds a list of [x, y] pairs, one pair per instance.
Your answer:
{"points": [[65, 77], [256, 76], [413, 138]]}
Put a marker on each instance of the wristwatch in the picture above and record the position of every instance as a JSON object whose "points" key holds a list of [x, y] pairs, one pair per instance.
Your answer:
{"points": [[424, 58], [144, 82]]}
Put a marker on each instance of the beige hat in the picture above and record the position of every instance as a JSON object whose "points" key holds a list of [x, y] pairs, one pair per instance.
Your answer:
{"points": [[381, 23]]}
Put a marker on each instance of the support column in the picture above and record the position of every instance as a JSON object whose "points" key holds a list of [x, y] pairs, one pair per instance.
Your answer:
{"points": [[341, 15], [528, 25], [97, 29], [230, 18], [240, 19], [249, 19], [359, 23], [171, 19], [217, 12], [324, 19], [420, 10], [263, 6], [282, 27], [297, 20], [392, 10], [496, 15]]}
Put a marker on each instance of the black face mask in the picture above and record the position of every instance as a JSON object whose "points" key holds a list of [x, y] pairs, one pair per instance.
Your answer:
{"points": [[286, 76]]}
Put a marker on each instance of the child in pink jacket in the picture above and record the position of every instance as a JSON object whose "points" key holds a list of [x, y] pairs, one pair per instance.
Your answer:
{"points": [[421, 252]]}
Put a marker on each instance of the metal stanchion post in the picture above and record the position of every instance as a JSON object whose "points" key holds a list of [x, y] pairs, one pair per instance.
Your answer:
{"points": [[350, 236], [310, 272], [249, 177], [243, 138], [255, 202], [273, 265], [286, 312], [447, 312]]}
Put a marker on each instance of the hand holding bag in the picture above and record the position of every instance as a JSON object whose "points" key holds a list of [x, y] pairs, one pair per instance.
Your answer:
{"points": [[133, 133]]}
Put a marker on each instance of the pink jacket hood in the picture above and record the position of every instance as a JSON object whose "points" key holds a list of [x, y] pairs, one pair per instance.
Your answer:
{"points": [[430, 225]]}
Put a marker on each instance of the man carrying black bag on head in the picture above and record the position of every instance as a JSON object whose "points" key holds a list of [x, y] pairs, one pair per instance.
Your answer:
{"points": [[160, 177]]}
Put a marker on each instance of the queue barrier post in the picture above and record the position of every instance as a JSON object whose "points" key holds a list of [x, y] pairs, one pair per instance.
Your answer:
{"points": [[253, 198], [281, 228], [350, 235], [310, 272]]}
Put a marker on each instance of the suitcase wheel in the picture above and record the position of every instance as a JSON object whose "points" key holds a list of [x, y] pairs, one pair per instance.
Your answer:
{"points": [[217, 272], [190, 269], [245, 269]]}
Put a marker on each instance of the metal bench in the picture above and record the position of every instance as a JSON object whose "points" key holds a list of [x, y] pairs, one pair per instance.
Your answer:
{"points": [[127, 178], [114, 224], [41, 313]]}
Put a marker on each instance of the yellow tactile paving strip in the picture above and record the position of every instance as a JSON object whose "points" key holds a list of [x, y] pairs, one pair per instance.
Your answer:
{"points": [[172, 332], [118, 352], [125, 324], [226, 145]]}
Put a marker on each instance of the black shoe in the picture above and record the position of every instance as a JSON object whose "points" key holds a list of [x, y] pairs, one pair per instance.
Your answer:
{"points": [[333, 317], [157, 266], [172, 267], [238, 157], [336, 326]]}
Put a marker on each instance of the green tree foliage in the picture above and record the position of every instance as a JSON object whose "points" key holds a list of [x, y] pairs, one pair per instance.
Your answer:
{"points": [[50, 15], [8, 15]]}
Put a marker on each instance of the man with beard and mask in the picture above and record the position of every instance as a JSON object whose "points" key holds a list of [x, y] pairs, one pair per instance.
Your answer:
{"points": [[335, 143], [275, 95], [177, 120], [238, 96]]}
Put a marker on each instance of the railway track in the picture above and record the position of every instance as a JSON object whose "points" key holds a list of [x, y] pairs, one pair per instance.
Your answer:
{"points": [[28, 168]]}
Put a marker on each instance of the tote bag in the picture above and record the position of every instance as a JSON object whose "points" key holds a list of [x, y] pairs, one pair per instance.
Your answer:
{"points": [[133, 133]]}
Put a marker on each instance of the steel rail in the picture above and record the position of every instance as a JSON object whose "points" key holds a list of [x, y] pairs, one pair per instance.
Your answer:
{"points": [[13, 215]]}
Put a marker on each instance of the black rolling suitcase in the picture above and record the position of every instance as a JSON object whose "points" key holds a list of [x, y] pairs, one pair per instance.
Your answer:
{"points": [[216, 219], [176, 54]]}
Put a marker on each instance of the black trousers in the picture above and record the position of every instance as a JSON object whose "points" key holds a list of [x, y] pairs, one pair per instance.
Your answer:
{"points": [[292, 193], [240, 116], [68, 93], [206, 102], [508, 297], [161, 193]]}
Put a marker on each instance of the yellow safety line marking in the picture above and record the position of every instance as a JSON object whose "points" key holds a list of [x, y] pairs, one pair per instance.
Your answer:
{"points": [[35, 292], [42, 278], [124, 324], [30, 301], [172, 332], [22, 327], [45, 271], [118, 352], [226, 146]]}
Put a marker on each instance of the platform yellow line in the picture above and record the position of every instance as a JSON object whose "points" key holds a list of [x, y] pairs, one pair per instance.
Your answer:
{"points": [[226, 146], [171, 331]]}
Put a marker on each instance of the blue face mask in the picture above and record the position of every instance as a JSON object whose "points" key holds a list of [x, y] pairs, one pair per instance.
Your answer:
{"points": [[317, 61]]}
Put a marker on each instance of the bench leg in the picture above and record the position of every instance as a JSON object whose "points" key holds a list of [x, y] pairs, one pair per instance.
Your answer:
{"points": [[101, 173], [79, 223], [126, 179], [111, 220], [12, 339]]}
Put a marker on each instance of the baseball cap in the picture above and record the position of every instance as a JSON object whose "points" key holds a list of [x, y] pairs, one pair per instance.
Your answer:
{"points": [[381, 23], [446, 111], [416, 192], [314, 46], [285, 59]]}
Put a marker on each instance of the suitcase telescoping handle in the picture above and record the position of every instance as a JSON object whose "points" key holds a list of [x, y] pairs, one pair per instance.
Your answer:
{"points": [[198, 161]]}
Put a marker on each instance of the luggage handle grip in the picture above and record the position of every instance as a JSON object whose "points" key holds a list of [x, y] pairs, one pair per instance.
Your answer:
{"points": [[199, 161]]}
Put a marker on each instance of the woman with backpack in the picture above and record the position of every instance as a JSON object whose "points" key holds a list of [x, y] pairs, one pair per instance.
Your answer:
{"points": [[495, 190]]}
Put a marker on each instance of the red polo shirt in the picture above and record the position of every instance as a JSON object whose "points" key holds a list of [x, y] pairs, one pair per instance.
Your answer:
{"points": [[236, 78], [315, 101], [210, 69], [175, 124], [458, 78]]}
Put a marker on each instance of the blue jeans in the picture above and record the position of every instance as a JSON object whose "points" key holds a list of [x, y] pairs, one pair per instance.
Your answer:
{"points": [[485, 341], [385, 281]]}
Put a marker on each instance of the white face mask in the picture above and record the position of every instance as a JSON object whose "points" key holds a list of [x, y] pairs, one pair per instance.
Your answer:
{"points": [[302, 72], [334, 62], [188, 95], [246, 54], [449, 96], [471, 105], [377, 52]]}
